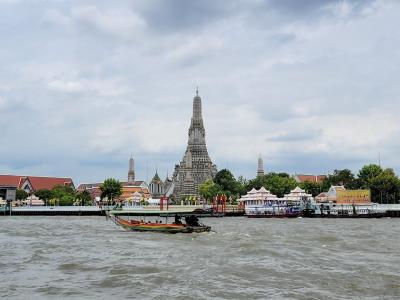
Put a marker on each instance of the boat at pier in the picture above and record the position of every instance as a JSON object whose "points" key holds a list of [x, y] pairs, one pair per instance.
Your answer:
{"points": [[262, 204], [332, 210]]}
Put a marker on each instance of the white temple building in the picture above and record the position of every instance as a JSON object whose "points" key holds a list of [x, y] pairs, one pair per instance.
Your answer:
{"points": [[263, 196]]}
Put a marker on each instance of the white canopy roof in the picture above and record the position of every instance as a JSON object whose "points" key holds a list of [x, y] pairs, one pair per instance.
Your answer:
{"points": [[253, 191], [297, 190], [263, 190]]}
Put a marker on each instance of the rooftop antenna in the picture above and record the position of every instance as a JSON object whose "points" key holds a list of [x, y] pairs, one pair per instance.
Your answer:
{"points": [[197, 90]]}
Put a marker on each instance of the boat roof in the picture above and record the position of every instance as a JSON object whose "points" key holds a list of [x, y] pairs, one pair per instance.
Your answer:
{"points": [[160, 213]]}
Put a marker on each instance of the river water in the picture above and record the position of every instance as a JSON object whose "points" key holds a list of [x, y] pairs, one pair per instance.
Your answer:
{"points": [[91, 258]]}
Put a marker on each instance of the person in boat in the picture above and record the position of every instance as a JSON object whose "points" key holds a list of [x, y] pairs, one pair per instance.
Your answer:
{"points": [[177, 220], [192, 220]]}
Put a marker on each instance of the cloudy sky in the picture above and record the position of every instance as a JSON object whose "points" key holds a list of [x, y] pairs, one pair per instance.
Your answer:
{"points": [[312, 85]]}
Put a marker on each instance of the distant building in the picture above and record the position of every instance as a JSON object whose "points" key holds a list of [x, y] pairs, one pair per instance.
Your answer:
{"points": [[260, 167], [92, 188], [156, 186], [31, 184], [159, 188], [309, 178], [7, 192], [340, 195], [130, 188], [131, 170], [34, 201]]}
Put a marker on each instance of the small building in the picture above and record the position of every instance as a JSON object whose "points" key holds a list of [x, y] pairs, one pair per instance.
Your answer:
{"points": [[340, 195], [321, 198], [7, 193], [32, 200], [159, 188], [156, 186], [130, 188], [31, 184]]}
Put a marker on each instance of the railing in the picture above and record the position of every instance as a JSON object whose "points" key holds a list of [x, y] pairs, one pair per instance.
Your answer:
{"points": [[55, 208]]}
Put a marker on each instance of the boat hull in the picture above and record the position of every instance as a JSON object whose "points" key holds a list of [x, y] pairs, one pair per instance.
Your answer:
{"points": [[158, 227]]}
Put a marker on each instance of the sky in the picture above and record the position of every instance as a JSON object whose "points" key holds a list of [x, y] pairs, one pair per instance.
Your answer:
{"points": [[310, 85]]}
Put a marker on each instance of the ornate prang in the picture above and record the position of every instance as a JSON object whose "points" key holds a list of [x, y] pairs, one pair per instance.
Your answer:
{"points": [[196, 166]]}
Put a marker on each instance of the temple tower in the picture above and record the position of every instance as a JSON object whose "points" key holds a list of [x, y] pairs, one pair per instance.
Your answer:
{"points": [[196, 166], [131, 171], [156, 186], [260, 169]]}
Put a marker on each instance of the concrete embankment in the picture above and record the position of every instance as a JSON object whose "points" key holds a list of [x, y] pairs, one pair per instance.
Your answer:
{"points": [[57, 211]]}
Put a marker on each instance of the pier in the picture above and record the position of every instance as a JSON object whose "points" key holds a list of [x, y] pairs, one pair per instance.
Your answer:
{"points": [[204, 211], [57, 211]]}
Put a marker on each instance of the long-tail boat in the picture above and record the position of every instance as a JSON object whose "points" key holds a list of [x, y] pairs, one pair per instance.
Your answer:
{"points": [[191, 225]]}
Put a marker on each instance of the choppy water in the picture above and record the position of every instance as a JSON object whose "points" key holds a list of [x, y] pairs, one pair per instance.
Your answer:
{"points": [[91, 258]]}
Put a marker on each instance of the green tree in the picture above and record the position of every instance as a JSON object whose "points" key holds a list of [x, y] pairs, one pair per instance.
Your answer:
{"points": [[367, 174], [341, 177], [385, 187], [278, 183], [66, 200], [227, 182], [313, 188], [44, 195], [63, 195], [209, 189], [60, 190], [84, 198], [21, 194], [111, 188], [242, 184]]}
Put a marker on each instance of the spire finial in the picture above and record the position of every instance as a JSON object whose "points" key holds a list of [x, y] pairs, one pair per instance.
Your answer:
{"points": [[197, 91]]}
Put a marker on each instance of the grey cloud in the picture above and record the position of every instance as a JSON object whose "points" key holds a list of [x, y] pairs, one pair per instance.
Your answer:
{"points": [[316, 8], [295, 136], [181, 14]]}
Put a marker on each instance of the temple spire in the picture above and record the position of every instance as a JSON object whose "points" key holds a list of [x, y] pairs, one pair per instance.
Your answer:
{"points": [[131, 170], [260, 169], [197, 114]]}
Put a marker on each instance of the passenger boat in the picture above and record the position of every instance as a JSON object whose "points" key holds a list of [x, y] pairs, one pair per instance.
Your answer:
{"points": [[191, 225], [282, 210]]}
